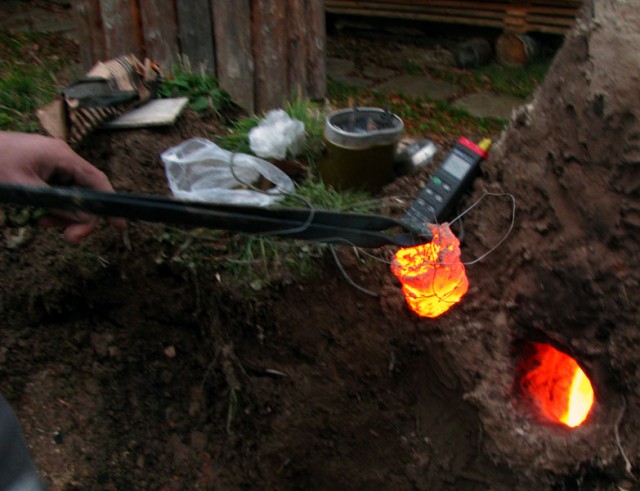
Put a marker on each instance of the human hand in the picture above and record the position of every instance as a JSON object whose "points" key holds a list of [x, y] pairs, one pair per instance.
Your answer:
{"points": [[37, 160]]}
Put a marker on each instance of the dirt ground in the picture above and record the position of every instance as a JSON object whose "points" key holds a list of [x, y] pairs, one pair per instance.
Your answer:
{"points": [[131, 368], [131, 373]]}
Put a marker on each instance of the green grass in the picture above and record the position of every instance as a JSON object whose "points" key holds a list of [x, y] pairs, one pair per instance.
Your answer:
{"points": [[203, 90], [413, 68], [421, 117], [320, 196], [301, 109], [254, 262], [516, 81], [339, 93], [28, 79], [238, 138]]}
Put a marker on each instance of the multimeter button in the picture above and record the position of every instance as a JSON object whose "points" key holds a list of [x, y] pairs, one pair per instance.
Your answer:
{"points": [[437, 180], [438, 198], [446, 187]]}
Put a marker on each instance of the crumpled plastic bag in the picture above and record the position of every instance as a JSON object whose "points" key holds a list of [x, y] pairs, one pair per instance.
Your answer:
{"points": [[276, 135], [199, 170]]}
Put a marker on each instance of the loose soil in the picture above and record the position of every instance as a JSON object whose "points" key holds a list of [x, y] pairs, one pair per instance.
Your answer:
{"points": [[131, 368], [129, 371]]}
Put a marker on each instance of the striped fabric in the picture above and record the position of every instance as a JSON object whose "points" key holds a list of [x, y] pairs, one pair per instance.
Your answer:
{"points": [[109, 89]]}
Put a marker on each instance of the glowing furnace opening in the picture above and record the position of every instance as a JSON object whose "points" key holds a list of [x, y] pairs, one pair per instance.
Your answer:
{"points": [[555, 385]]}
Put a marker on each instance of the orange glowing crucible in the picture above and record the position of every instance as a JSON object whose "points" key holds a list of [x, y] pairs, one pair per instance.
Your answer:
{"points": [[433, 277]]}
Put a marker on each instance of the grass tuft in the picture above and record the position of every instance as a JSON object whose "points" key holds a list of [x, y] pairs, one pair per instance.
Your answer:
{"points": [[203, 90], [28, 78], [301, 109]]}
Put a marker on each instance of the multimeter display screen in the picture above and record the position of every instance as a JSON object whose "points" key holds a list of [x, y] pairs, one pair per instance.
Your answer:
{"points": [[456, 166]]}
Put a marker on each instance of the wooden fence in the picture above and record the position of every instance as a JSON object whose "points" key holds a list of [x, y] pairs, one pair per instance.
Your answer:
{"points": [[519, 16], [262, 51]]}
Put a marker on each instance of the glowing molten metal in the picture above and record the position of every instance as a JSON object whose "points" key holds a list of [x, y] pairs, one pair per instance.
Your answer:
{"points": [[559, 387], [432, 276]]}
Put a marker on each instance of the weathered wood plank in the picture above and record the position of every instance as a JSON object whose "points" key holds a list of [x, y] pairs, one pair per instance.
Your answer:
{"points": [[88, 18], [160, 29], [296, 49], [266, 50], [316, 49], [195, 31], [269, 33], [232, 30], [122, 30]]}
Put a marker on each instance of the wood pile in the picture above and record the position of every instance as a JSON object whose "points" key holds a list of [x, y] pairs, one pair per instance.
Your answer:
{"points": [[548, 16]]}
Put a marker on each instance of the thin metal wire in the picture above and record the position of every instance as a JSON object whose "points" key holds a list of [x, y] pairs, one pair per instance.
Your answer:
{"points": [[301, 228], [347, 277], [508, 232], [312, 211], [304, 226], [483, 256]]}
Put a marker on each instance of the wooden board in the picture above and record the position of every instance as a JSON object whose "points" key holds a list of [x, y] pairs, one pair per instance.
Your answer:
{"points": [[195, 30], [88, 18], [297, 48], [232, 27], [269, 32], [316, 55], [160, 31], [122, 30]]}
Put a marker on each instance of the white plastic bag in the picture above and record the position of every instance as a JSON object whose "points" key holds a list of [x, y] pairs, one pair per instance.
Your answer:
{"points": [[199, 170], [276, 135]]}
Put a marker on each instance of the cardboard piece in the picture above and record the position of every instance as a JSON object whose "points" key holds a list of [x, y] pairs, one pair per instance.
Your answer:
{"points": [[53, 119]]}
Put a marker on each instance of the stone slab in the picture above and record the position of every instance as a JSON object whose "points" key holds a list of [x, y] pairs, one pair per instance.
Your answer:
{"points": [[158, 112], [355, 82], [417, 86], [488, 104], [378, 73], [339, 67]]}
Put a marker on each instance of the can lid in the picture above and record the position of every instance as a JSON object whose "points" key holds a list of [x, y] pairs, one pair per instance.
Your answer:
{"points": [[363, 127]]}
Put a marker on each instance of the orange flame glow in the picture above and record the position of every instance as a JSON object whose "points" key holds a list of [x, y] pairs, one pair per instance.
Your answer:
{"points": [[432, 276], [558, 386]]}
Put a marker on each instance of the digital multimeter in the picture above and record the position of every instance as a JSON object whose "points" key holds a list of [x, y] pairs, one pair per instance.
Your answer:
{"points": [[437, 201]]}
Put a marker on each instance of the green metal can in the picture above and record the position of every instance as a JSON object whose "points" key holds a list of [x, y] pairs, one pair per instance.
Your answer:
{"points": [[361, 146]]}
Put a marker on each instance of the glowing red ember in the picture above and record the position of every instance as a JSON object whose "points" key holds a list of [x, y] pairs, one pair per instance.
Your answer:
{"points": [[558, 386], [432, 276]]}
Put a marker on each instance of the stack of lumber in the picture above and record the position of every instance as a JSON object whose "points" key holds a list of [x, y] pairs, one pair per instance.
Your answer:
{"points": [[548, 16]]}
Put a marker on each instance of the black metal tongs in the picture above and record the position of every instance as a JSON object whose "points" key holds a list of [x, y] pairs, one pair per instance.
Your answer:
{"points": [[359, 230]]}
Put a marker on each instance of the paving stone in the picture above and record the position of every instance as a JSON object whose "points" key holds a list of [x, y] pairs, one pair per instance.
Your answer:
{"points": [[417, 86], [436, 56], [377, 73], [355, 82], [339, 67], [488, 104]]}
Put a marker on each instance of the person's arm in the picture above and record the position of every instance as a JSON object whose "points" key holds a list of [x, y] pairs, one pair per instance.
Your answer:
{"points": [[38, 161]]}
